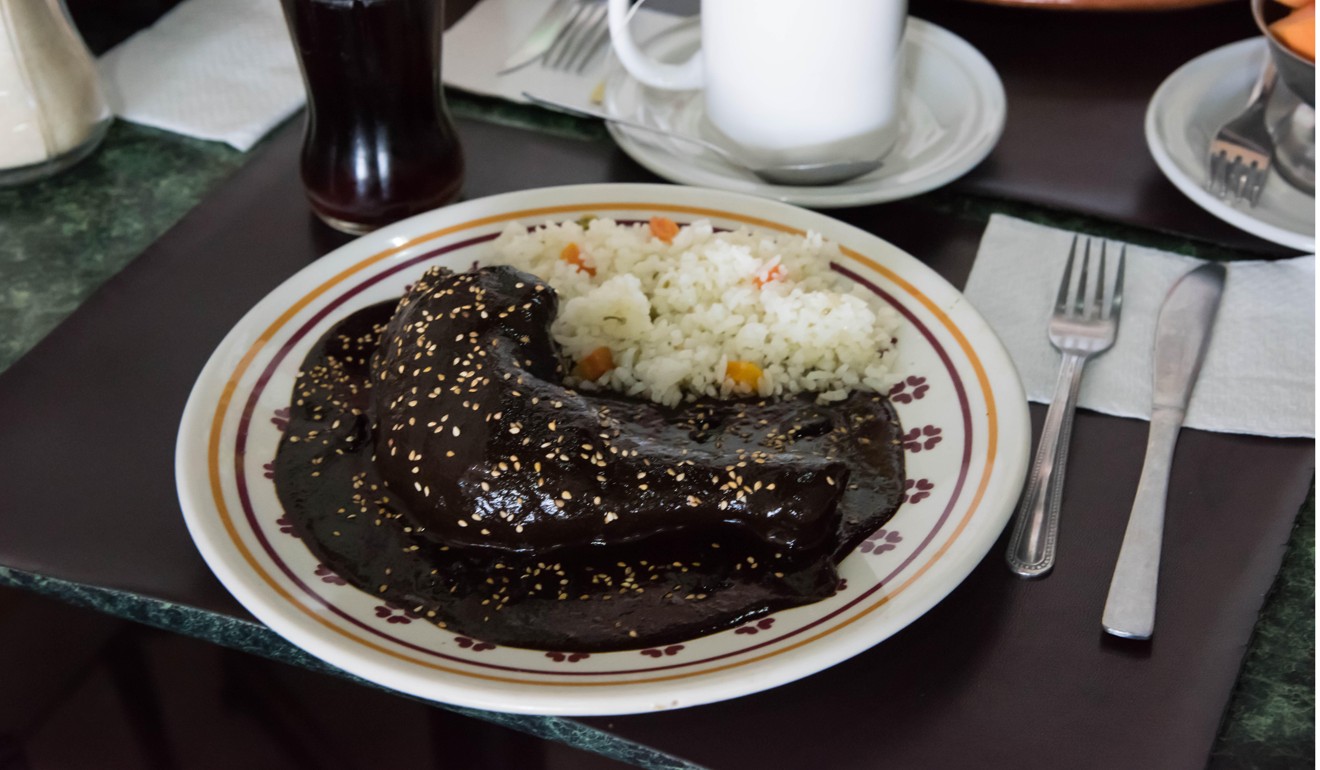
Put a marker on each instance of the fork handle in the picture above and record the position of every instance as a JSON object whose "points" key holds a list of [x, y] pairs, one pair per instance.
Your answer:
{"points": [[1260, 93], [1130, 606], [1031, 548]]}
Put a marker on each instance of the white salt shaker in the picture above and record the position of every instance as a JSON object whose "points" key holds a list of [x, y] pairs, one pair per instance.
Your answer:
{"points": [[53, 112]]}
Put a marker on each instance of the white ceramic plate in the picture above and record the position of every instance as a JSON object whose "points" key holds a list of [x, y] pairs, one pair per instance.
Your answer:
{"points": [[1184, 115], [952, 104], [961, 405]]}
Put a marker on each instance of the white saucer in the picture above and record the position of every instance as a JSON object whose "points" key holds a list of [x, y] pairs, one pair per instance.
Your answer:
{"points": [[1185, 113], [952, 104]]}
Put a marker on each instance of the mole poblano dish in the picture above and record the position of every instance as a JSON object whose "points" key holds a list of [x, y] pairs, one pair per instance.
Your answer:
{"points": [[608, 435], [666, 369]]}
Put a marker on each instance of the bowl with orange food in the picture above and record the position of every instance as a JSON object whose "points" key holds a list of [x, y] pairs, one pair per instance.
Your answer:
{"points": [[1289, 29]]}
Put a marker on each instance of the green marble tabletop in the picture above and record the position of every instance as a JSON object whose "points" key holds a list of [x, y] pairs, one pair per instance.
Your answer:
{"points": [[62, 238]]}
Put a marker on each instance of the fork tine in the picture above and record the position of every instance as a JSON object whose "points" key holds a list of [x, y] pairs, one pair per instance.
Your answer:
{"points": [[1237, 173], [1257, 185], [1098, 304], [1080, 303], [566, 39], [1231, 170], [596, 45], [591, 34], [1116, 299], [562, 40], [574, 35], [1225, 175], [1249, 176], [581, 28], [1212, 181], [1061, 302], [1244, 171], [1229, 174]]}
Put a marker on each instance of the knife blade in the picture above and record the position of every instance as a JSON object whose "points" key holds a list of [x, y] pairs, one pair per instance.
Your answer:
{"points": [[543, 35], [1182, 336]]}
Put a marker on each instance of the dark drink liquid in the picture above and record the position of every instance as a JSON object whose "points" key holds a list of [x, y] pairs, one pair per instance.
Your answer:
{"points": [[379, 144]]}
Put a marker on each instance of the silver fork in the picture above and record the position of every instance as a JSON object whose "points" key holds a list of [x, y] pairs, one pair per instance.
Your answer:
{"points": [[581, 39], [1240, 153], [1080, 328]]}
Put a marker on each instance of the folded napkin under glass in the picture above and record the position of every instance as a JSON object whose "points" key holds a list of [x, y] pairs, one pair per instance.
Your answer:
{"points": [[222, 70], [1259, 373]]}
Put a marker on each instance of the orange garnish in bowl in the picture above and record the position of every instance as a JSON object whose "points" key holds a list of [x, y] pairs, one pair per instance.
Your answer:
{"points": [[1297, 29]]}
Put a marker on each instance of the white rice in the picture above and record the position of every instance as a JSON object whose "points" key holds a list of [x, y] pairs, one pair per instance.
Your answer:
{"points": [[674, 315]]}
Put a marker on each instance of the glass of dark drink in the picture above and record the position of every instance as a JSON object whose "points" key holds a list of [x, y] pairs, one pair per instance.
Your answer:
{"points": [[379, 144]]}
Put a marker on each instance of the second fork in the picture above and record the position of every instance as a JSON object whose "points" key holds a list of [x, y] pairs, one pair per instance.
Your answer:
{"points": [[580, 40], [1083, 324], [1241, 151]]}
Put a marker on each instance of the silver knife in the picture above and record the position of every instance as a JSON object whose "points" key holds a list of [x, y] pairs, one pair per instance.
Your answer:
{"points": [[1182, 335], [544, 35]]}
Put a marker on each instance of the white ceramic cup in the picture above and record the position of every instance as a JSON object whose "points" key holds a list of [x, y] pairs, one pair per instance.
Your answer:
{"points": [[788, 81]]}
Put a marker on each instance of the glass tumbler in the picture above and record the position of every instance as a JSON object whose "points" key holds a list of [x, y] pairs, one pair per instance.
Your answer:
{"points": [[379, 144]]}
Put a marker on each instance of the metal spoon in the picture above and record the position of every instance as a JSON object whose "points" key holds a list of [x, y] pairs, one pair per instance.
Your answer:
{"points": [[801, 174]]}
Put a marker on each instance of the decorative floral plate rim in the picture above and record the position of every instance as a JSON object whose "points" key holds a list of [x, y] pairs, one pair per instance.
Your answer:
{"points": [[962, 392]]}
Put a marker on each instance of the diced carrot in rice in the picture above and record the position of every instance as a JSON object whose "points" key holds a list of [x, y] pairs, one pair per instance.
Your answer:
{"points": [[572, 254], [773, 274], [595, 364], [664, 228], [743, 374]]}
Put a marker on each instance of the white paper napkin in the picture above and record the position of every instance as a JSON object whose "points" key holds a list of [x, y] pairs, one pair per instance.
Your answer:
{"points": [[214, 69], [476, 47], [1258, 376]]}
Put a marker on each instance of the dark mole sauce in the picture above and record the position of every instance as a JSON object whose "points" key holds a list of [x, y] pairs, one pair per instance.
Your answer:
{"points": [[433, 459]]}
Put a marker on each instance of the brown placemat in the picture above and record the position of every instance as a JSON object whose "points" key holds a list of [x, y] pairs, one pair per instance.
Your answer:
{"points": [[1004, 672], [1000, 671], [1078, 86]]}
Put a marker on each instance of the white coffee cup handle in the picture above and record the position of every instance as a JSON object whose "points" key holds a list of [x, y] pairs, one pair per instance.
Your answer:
{"points": [[672, 77]]}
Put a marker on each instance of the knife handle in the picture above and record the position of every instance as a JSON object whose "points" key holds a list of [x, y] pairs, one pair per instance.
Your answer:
{"points": [[1130, 608], [1031, 548]]}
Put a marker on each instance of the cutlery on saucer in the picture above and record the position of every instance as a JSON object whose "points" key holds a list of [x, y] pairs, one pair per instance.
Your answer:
{"points": [[1239, 156], [805, 174], [1182, 336], [1082, 326]]}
